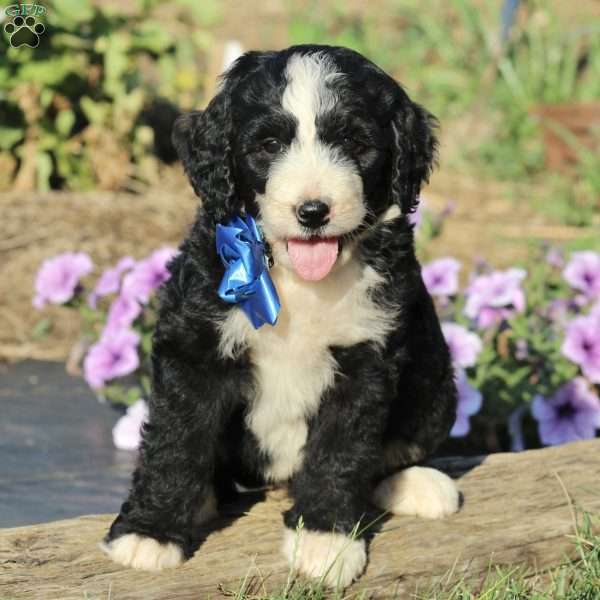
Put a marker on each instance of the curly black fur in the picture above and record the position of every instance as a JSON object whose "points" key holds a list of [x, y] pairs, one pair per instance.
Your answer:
{"points": [[197, 440]]}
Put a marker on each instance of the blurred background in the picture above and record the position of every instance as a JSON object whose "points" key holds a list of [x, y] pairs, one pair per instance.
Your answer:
{"points": [[74, 118], [87, 89]]}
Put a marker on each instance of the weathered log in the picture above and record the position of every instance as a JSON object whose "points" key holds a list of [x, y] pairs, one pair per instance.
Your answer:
{"points": [[518, 508]]}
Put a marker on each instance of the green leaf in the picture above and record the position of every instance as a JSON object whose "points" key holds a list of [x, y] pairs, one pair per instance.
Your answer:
{"points": [[42, 328], [146, 385], [9, 136], [116, 62], [132, 395], [96, 112], [70, 12], [43, 171], [147, 343], [65, 120], [151, 36], [54, 70]]}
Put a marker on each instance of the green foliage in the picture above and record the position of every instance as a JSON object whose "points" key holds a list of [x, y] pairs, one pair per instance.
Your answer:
{"points": [[71, 108]]}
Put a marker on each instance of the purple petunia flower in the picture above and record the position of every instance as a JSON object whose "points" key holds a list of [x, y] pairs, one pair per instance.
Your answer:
{"points": [[557, 311], [123, 311], [464, 345], [555, 258], [521, 349], [114, 355], [441, 276], [148, 275], [583, 273], [416, 218], [58, 277], [469, 403], [495, 297], [582, 345], [573, 413], [127, 432], [110, 281]]}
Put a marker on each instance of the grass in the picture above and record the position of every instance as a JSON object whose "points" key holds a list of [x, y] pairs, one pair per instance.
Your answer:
{"points": [[576, 580]]}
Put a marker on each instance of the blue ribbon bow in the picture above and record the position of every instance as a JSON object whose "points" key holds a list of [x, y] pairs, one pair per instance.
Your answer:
{"points": [[246, 280]]}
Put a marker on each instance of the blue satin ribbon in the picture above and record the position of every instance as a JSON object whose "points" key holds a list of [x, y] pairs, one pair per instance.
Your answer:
{"points": [[246, 280]]}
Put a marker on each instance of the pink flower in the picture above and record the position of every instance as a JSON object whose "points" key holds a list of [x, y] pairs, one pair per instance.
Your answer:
{"points": [[573, 413], [464, 346], [59, 276], [441, 276], [582, 345], [554, 257], [495, 297], [123, 311], [114, 355], [583, 273], [469, 404], [415, 218], [110, 281], [148, 275], [127, 432]]}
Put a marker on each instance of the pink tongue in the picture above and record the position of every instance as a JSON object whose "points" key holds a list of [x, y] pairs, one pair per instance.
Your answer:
{"points": [[313, 259]]}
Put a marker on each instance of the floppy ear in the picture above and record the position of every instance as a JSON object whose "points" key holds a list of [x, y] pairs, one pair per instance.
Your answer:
{"points": [[414, 148], [203, 142]]}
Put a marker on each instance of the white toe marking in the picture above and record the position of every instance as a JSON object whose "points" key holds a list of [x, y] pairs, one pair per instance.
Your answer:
{"points": [[418, 491], [334, 557], [139, 552]]}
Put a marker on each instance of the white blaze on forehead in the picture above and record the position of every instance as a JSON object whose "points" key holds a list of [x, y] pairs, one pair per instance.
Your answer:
{"points": [[308, 92], [310, 168]]}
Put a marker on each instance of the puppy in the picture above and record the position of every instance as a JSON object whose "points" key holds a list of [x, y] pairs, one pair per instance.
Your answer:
{"points": [[353, 384]]}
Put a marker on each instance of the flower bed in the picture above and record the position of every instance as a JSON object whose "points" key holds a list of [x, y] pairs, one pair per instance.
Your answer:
{"points": [[525, 342]]}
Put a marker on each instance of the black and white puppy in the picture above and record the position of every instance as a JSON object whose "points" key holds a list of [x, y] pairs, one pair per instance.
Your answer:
{"points": [[353, 386]]}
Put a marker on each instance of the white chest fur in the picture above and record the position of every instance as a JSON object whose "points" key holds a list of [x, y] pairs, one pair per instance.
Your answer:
{"points": [[292, 360]]}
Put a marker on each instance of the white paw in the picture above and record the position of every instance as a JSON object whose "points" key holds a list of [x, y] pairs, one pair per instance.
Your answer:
{"points": [[139, 552], [418, 491], [333, 557]]}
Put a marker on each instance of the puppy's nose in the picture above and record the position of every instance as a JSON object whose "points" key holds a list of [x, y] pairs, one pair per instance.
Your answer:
{"points": [[312, 213]]}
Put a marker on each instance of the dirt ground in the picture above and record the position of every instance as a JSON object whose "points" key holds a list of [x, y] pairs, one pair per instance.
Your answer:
{"points": [[108, 225]]}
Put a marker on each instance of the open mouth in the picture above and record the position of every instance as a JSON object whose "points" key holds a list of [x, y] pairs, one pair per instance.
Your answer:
{"points": [[313, 258]]}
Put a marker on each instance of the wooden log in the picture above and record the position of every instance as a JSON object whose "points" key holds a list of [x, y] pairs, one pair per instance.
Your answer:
{"points": [[518, 509]]}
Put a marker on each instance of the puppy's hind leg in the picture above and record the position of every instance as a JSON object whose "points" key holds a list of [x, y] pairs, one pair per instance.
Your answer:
{"points": [[418, 491]]}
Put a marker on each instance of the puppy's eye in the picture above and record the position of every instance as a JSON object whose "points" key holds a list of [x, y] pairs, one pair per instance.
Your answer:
{"points": [[272, 146]]}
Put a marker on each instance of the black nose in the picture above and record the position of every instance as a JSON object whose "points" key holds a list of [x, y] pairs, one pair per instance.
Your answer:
{"points": [[312, 213]]}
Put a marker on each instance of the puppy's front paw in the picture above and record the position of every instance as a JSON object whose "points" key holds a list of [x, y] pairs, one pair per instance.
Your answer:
{"points": [[335, 558], [418, 491], [140, 552]]}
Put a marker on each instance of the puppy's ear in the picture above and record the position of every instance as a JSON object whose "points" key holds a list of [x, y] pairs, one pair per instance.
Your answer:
{"points": [[203, 142], [414, 148]]}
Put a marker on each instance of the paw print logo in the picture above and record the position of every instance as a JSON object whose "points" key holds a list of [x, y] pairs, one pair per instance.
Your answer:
{"points": [[24, 32]]}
